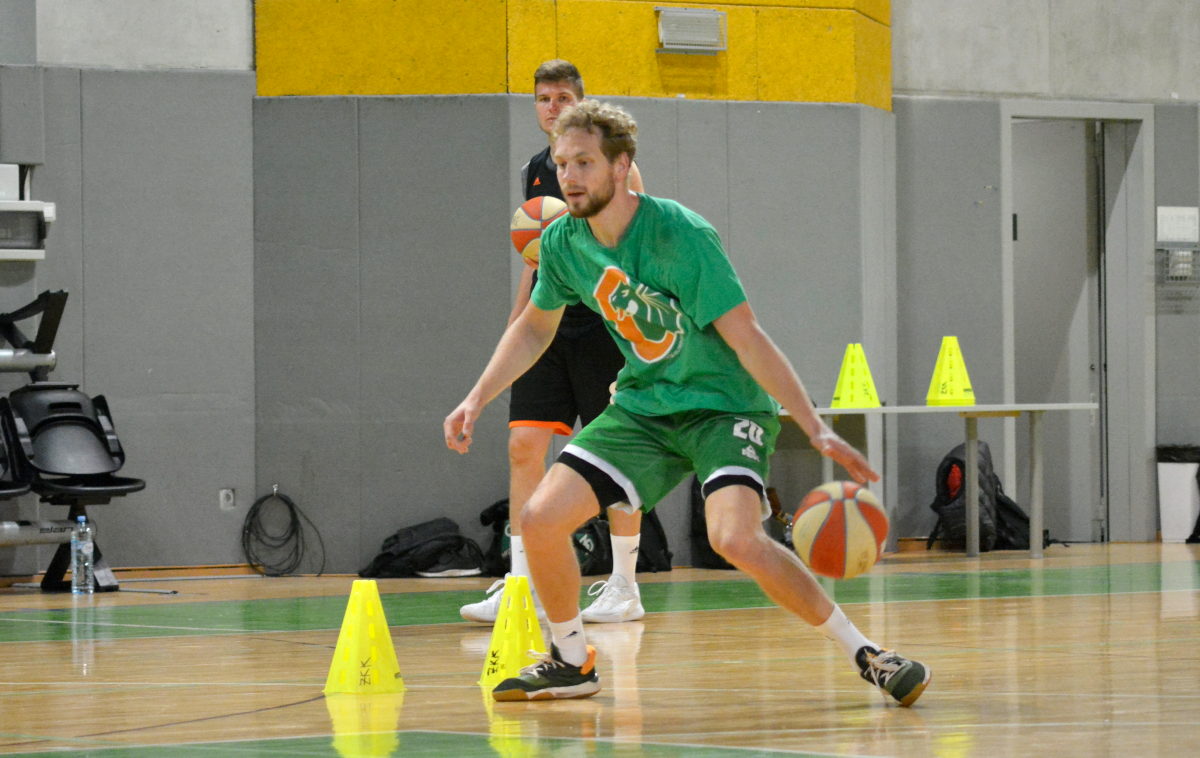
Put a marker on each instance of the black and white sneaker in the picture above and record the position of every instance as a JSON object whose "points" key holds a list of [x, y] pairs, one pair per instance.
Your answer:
{"points": [[551, 678], [894, 674]]}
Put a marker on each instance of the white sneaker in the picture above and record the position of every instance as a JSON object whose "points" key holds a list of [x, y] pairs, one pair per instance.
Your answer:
{"points": [[618, 601], [486, 611]]}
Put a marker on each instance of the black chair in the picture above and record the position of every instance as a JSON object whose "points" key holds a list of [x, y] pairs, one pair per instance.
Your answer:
{"points": [[12, 484], [65, 447], [60, 443]]}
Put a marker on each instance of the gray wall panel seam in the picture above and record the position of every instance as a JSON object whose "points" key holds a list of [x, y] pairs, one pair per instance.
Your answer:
{"points": [[358, 150]]}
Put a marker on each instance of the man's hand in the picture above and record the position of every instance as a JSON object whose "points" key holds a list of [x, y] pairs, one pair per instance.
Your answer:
{"points": [[459, 425], [832, 446]]}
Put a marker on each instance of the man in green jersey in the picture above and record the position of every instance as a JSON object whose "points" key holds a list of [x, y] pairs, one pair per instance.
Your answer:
{"points": [[698, 393]]}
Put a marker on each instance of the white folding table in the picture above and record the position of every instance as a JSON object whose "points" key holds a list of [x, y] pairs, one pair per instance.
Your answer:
{"points": [[972, 413]]}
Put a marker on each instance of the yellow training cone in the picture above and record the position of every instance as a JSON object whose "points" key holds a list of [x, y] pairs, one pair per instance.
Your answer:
{"points": [[364, 661], [950, 384], [515, 634], [365, 726], [855, 387]]}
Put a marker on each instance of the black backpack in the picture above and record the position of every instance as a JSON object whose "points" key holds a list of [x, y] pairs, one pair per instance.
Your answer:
{"points": [[593, 544], [1012, 525], [653, 554], [950, 502], [593, 547], [498, 557], [419, 548]]}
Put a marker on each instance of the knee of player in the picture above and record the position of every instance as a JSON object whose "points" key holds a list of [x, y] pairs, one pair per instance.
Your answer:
{"points": [[535, 517], [734, 546], [526, 449]]}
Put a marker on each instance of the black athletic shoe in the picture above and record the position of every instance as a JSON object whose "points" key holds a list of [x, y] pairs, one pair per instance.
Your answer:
{"points": [[551, 678], [899, 677]]}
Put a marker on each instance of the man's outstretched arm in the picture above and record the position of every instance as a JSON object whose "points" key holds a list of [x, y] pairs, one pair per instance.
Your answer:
{"points": [[522, 344], [773, 371]]}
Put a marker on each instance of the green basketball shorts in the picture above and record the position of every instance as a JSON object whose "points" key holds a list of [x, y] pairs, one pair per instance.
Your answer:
{"points": [[636, 460]]}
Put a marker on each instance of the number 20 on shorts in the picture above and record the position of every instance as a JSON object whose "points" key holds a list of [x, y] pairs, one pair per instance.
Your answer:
{"points": [[748, 430]]}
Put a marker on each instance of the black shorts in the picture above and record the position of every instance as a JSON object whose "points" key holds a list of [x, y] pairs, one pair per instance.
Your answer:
{"points": [[569, 381]]}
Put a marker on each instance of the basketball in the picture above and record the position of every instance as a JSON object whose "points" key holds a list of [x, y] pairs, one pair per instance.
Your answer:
{"points": [[528, 222], [839, 530]]}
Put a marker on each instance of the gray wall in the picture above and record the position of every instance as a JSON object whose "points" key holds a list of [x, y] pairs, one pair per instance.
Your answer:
{"points": [[1177, 183], [152, 176], [381, 265], [18, 32], [1069, 49], [948, 280], [351, 396], [146, 34]]}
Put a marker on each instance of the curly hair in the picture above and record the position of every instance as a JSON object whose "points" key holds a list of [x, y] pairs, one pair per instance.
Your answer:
{"points": [[617, 129]]}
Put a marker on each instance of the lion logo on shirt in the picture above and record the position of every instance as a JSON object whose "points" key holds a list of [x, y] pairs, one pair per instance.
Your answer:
{"points": [[650, 320]]}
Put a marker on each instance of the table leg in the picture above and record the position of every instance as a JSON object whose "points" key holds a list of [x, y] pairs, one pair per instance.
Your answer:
{"points": [[972, 484], [1035, 485]]}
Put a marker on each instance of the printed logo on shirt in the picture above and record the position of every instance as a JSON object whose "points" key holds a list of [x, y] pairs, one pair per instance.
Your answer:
{"points": [[537, 180], [750, 453], [651, 321]]}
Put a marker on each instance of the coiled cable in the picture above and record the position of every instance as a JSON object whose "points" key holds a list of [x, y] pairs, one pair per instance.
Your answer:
{"points": [[277, 554]]}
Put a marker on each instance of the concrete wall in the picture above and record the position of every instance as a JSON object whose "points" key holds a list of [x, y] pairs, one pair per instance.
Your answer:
{"points": [[1069, 49], [152, 176], [18, 32], [146, 34]]}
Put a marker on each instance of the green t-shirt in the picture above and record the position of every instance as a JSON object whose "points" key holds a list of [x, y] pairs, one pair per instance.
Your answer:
{"points": [[658, 290]]}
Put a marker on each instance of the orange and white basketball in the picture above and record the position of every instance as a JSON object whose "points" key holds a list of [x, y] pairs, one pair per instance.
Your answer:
{"points": [[839, 530], [531, 218]]}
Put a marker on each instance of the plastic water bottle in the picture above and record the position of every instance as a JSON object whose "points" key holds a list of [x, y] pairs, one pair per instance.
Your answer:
{"points": [[82, 547]]}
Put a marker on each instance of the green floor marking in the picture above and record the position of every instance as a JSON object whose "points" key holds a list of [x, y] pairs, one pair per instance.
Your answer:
{"points": [[416, 745], [408, 609]]}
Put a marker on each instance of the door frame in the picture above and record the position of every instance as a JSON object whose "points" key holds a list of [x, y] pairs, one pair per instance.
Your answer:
{"points": [[1129, 404]]}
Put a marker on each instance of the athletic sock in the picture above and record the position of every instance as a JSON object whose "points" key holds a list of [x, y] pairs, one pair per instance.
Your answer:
{"points": [[568, 638], [520, 566], [839, 629], [625, 555]]}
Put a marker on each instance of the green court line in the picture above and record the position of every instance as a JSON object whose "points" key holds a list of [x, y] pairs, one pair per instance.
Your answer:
{"points": [[409, 609], [420, 745]]}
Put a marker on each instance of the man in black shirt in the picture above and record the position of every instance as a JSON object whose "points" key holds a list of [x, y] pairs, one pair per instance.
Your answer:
{"points": [[571, 380]]}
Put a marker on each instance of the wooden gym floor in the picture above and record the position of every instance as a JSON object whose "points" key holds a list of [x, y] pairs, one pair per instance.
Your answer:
{"points": [[1088, 652]]}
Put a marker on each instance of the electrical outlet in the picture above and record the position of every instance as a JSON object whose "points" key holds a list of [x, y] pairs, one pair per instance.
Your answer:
{"points": [[227, 499]]}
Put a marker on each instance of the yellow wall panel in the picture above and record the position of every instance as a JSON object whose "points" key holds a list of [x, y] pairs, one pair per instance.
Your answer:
{"points": [[806, 55], [381, 47], [880, 10], [532, 40], [788, 50], [873, 62], [613, 43]]}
